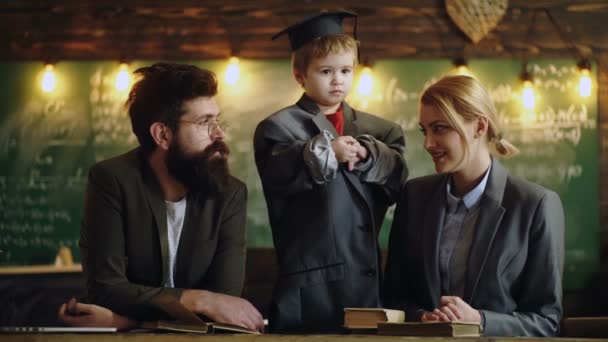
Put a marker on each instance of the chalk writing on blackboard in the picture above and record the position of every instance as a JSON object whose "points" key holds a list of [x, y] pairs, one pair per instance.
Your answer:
{"points": [[111, 125]]}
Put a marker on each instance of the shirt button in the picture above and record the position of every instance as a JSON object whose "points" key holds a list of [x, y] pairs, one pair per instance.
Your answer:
{"points": [[371, 272]]}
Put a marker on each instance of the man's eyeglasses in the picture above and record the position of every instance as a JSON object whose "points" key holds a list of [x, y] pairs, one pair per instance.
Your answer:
{"points": [[212, 126]]}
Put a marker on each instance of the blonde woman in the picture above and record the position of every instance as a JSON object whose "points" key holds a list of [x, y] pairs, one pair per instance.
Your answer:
{"points": [[473, 242]]}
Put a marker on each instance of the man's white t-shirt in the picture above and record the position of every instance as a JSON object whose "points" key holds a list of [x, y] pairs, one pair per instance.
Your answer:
{"points": [[176, 211]]}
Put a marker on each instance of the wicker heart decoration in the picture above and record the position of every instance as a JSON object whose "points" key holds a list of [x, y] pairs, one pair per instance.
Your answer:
{"points": [[476, 17]]}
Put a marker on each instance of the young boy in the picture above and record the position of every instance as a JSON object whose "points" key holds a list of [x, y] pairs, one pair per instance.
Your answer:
{"points": [[329, 172]]}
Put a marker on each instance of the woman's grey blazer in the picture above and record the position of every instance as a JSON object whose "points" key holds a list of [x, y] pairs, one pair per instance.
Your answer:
{"points": [[515, 264]]}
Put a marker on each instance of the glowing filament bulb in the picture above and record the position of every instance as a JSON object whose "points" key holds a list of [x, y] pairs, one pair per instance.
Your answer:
{"points": [[232, 71], [48, 79], [527, 95], [366, 82], [584, 84], [122, 78], [461, 67], [463, 70]]}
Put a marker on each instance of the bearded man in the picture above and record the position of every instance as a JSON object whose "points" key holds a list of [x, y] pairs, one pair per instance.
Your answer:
{"points": [[166, 220]]}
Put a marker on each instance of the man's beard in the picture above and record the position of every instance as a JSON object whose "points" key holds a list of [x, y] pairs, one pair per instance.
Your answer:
{"points": [[201, 171]]}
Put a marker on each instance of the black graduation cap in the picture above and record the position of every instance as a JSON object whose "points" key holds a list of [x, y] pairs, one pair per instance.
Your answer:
{"points": [[319, 25]]}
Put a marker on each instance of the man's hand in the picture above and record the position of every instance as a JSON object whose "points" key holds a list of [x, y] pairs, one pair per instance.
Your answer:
{"points": [[77, 314], [223, 308], [348, 150]]}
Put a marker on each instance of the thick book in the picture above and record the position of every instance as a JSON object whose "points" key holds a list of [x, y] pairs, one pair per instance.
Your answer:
{"points": [[188, 321], [586, 327], [199, 328], [368, 318], [450, 329]]}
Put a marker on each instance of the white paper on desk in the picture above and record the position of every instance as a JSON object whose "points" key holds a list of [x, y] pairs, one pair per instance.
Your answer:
{"points": [[56, 330]]}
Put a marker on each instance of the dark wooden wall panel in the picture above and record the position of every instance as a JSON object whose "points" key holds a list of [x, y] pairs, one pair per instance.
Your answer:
{"points": [[181, 29]]}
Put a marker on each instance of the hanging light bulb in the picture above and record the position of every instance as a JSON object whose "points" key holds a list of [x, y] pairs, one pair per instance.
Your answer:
{"points": [[49, 80], [122, 78], [527, 93], [232, 71], [584, 84], [461, 67], [366, 82]]}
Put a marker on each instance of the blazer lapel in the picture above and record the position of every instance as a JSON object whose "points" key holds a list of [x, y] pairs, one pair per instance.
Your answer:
{"points": [[490, 216], [356, 182], [319, 119], [188, 238], [155, 198], [433, 219], [351, 128], [350, 121]]}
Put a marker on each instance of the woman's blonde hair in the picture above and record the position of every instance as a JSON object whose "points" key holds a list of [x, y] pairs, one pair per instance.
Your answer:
{"points": [[462, 98], [321, 47]]}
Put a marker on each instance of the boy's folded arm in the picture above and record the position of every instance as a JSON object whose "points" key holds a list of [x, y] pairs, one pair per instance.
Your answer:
{"points": [[320, 158], [280, 160], [385, 164]]}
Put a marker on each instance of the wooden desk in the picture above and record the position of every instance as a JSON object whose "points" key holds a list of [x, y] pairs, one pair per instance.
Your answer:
{"points": [[149, 337], [40, 269]]}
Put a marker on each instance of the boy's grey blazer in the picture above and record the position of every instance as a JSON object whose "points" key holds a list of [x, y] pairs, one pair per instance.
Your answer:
{"points": [[325, 234], [514, 272]]}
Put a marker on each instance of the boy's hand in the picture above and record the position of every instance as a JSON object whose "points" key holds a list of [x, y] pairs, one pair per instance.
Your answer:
{"points": [[362, 152], [347, 150]]}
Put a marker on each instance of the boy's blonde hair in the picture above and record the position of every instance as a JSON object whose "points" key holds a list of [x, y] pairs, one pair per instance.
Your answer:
{"points": [[462, 98], [321, 47]]}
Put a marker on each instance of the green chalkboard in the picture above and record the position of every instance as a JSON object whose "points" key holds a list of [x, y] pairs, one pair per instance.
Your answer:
{"points": [[48, 142]]}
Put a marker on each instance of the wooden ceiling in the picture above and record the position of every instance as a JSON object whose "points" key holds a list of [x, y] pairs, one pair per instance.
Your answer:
{"points": [[188, 29]]}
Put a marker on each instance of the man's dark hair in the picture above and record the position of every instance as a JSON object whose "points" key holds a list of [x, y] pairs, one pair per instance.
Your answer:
{"points": [[160, 93]]}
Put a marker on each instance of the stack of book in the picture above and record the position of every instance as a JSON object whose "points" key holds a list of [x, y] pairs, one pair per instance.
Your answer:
{"points": [[364, 319], [450, 329], [596, 327]]}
